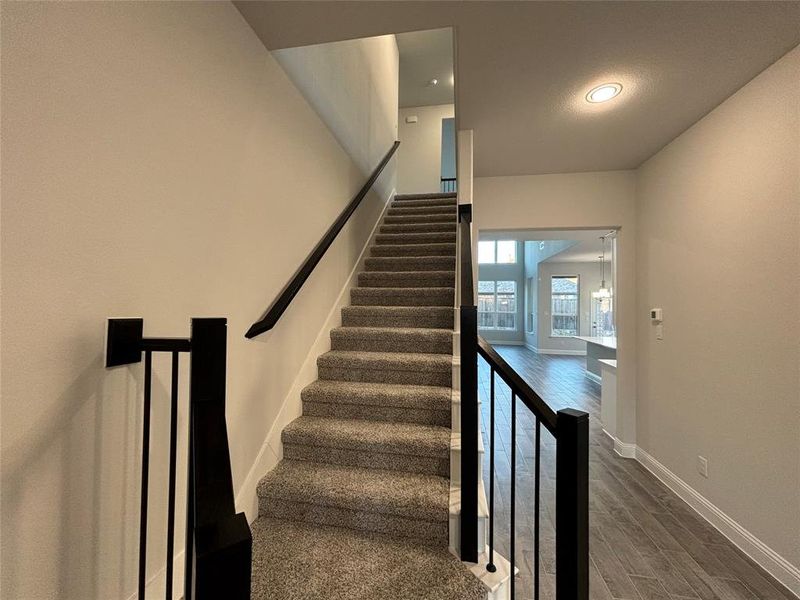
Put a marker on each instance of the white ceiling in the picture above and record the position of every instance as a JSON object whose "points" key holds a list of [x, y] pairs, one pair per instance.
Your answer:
{"points": [[523, 68], [426, 55]]}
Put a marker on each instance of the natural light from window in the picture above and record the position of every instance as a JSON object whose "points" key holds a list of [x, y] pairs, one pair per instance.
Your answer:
{"points": [[564, 305], [500, 252], [497, 305]]}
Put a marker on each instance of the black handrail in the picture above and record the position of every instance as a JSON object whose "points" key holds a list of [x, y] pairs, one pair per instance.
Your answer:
{"points": [[570, 428], [519, 386], [281, 303]]}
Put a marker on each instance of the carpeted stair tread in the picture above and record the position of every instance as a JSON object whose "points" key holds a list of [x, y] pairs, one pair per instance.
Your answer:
{"points": [[420, 228], [393, 339], [393, 438], [332, 563], [428, 317], [390, 279], [390, 361], [421, 497], [437, 249], [429, 195], [399, 219], [432, 237], [425, 397], [402, 296], [410, 263], [403, 210], [426, 202]]}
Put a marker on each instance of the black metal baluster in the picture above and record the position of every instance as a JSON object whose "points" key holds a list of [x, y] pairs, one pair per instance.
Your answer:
{"points": [[491, 567], [536, 512], [173, 449], [148, 374], [512, 533], [188, 588]]}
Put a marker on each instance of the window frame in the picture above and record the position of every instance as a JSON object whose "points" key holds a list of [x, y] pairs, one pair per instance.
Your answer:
{"points": [[495, 312], [577, 330]]}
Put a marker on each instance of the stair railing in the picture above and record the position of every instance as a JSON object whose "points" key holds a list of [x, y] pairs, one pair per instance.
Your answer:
{"points": [[447, 184], [218, 550], [569, 427], [290, 290]]}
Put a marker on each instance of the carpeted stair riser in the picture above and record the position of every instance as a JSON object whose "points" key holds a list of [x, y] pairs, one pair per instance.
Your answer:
{"points": [[425, 202], [380, 339], [405, 447], [433, 533], [415, 238], [365, 412], [406, 211], [427, 317], [407, 219], [368, 460], [392, 502], [379, 250], [425, 296], [405, 397], [404, 197], [420, 228], [410, 263], [408, 280], [389, 367]]}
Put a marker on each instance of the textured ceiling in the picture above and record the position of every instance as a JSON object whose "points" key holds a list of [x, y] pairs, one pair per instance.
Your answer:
{"points": [[523, 68], [426, 55]]}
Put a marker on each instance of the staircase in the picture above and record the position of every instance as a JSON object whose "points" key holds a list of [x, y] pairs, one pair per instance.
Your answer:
{"points": [[359, 505]]}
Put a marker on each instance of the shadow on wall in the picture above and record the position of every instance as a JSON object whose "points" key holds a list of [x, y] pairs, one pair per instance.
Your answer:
{"points": [[94, 445]]}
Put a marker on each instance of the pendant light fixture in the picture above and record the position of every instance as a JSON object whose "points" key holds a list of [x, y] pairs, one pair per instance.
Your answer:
{"points": [[603, 292]]}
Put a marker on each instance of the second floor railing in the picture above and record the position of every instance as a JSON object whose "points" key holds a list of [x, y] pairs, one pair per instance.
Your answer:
{"points": [[447, 184]]}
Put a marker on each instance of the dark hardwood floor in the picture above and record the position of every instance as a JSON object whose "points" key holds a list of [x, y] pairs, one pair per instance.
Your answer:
{"points": [[645, 542]]}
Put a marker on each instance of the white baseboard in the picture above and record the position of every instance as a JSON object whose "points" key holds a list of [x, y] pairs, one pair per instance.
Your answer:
{"points": [[272, 450], [624, 449], [561, 352], [591, 376], [772, 562]]}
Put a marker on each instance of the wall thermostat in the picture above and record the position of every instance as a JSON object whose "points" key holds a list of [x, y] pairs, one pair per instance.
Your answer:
{"points": [[411, 119], [656, 314]]}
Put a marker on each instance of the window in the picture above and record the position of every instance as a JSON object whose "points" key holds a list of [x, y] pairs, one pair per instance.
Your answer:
{"points": [[497, 304], [564, 305], [500, 252]]}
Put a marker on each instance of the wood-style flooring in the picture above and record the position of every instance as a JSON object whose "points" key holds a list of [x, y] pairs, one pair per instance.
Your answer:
{"points": [[645, 542]]}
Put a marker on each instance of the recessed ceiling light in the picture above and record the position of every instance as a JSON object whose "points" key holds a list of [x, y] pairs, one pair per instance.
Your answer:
{"points": [[603, 93], [433, 82]]}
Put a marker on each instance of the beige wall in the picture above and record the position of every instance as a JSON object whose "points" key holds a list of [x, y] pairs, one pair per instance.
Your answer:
{"points": [[353, 86], [570, 201], [419, 165], [155, 164], [718, 228]]}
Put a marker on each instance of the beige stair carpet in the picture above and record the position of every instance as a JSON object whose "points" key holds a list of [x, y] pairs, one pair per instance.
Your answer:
{"points": [[359, 506]]}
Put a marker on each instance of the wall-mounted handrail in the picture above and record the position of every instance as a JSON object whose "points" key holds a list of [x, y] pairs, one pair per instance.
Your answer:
{"points": [[290, 290]]}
